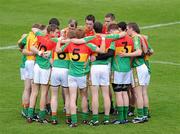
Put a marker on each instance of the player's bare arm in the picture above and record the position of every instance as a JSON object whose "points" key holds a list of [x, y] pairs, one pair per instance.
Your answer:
{"points": [[136, 53]]}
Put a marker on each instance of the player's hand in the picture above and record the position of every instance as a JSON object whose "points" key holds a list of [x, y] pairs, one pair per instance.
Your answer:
{"points": [[103, 38], [23, 36], [150, 52], [46, 55], [40, 53], [93, 58], [20, 49], [31, 53], [122, 54]]}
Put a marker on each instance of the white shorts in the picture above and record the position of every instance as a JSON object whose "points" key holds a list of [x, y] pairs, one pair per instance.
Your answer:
{"points": [[22, 73], [122, 77], [41, 76], [140, 76], [100, 75], [59, 77], [77, 82], [29, 69]]}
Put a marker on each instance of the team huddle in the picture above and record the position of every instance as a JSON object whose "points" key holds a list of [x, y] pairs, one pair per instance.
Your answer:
{"points": [[109, 57]]}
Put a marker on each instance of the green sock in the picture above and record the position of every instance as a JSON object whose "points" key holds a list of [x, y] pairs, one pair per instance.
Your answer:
{"points": [[145, 110], [84, 116], [30, 112], [140, 112], [120, 113], [112, 106], [95, 117], [106, 117], [48, 107], [74, 118], [25, 110], [68, 116], [125, 112], [42, 114], [131, 108], [53, 117]]}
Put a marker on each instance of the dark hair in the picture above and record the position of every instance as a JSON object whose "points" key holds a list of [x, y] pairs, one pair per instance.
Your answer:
{"points": [[80, 33], [73, 23], [113, 27], [36, 25], [110, 15], [98, 26], [52, 28], [42, 27], [90, 18], [134, 26], [122, 25], [54, 21]]}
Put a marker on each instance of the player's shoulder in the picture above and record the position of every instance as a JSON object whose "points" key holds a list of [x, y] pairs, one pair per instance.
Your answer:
{"points": [[129, 38], [91, 45], [55, 39], [136, 37]]}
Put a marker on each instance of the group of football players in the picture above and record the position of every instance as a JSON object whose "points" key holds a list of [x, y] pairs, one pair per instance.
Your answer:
{"points": [[108, 57]]}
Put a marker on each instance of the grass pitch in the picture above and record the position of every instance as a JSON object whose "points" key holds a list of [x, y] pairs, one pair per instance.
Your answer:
{"points": [[17, 16]]}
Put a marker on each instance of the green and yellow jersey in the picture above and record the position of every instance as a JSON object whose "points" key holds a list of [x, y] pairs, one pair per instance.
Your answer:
{"points": [[21, 44], [30, 41], [139, 60], [122, 64], [79, 64], [146, 57], [60, 60], [97, 41], [45, 44]]}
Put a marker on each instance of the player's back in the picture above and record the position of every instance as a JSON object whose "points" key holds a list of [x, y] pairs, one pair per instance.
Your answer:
{"points": [[79, 59], [126, 45], [46, 43], [98, 41], [79, 53]]}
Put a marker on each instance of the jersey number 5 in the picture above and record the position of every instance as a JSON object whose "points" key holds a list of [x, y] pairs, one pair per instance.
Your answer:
{"points": [[76, 55]]}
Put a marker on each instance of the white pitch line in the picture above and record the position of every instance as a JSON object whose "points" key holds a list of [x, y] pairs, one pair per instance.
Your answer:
{"points": [[8, 47], [160, 25], [165, 63], [143, 27]]}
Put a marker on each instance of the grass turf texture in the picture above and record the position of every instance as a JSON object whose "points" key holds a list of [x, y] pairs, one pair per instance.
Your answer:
{"points": [[17, 18]]}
